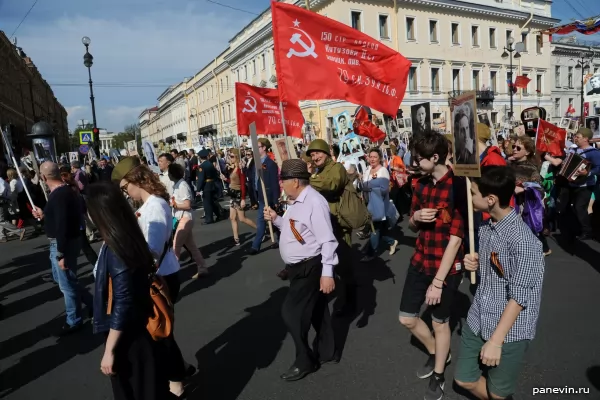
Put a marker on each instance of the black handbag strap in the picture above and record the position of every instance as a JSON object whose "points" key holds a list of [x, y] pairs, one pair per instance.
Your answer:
{"points": [[168, 244]]}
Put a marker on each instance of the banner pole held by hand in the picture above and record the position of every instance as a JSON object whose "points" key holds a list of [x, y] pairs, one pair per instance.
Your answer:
{"points": [[258, 166], [471, 227]]}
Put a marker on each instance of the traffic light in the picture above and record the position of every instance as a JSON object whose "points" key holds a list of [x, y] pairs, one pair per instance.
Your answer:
{"points": [[96, 134]]}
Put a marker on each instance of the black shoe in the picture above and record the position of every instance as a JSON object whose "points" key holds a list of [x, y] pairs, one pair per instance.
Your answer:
{"points": [[295, 373], [337, 356], [585, 237], [190, 371], [252, 251], [435, 390], [67, 329], [283, 274], [427, 370]]}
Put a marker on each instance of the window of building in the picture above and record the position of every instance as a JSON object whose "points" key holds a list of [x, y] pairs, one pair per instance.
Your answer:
{"points": [[557, 76], [538, 83], [433, 31], [253, 67], [412, 79], [245, 72], [493, 81], [557, 106], [223, 112], [492, 38], [539, 41], [212, 92], [526, 88], [508, 35], [475, 83], [238, 75], [355, 19], [475, 36], [229, 110], [221, 85], [595, 70], [384, 28], [494, 117], [435, 80], [454, 31], [456, 79], [570, 77], [227, 83], [410, 29], [524, 40], [570, 102], [264, 61]]}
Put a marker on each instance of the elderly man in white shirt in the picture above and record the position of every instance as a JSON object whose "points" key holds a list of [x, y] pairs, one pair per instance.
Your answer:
{"points": [[5, 224]]}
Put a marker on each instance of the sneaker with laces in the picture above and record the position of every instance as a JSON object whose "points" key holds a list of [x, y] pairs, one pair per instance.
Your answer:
{"points": [[435, 390], [427, 370]]}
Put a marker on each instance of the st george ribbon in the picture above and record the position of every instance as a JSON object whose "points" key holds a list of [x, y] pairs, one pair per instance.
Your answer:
{"points": [[262, 106], [319, 58]]}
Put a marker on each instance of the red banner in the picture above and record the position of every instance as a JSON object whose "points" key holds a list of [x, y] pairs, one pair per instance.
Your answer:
{"points": [[522, 82], [320, 58], [363, 126], [550, 139], [261, 105]]}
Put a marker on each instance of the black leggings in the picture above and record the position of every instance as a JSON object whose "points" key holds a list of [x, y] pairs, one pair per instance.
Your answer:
{"points": [[174, 359]]}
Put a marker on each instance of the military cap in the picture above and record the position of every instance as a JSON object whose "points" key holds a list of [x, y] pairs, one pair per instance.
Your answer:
{"points": [[124, 167], [203, 153]]}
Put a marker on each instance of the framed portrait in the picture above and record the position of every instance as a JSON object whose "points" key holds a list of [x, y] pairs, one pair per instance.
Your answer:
{"points": [[592, 123], [420, 115], [564, 123], [484, 119], [573, 125], [342, 123], [350, 148], [466, 156], [407, 123], [529, 124]]}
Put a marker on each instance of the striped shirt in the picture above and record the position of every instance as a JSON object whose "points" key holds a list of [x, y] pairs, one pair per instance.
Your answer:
{"points": [[511, 264]]}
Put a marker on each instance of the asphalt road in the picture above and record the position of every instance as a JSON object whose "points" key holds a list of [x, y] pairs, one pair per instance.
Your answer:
{"points": [[230, 326]]}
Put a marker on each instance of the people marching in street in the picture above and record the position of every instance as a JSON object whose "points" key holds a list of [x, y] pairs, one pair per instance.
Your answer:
{"points": [[237, 194]]}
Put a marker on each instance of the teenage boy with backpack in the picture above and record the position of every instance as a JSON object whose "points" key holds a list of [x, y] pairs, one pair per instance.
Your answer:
{"points": [[435, 268]]}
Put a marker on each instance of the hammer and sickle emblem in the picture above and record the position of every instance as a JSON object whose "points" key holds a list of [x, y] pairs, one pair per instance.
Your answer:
{"points": [[309, 50], [250, 105]]}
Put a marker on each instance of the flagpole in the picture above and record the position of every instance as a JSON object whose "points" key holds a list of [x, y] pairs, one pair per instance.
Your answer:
{"points": [[284, 128]]}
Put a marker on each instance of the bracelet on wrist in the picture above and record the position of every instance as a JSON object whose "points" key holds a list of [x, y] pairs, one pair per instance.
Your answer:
{"points": [[437, 287], [438, 279]]}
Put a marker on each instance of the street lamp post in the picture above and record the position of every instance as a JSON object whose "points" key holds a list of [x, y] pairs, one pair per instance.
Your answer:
{"points": [[508, 53], [583, 62], [88, 61]]}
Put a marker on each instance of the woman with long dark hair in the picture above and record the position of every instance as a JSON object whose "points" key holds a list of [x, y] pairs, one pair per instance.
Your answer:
{"points": [[131, 357], [155, 219]]}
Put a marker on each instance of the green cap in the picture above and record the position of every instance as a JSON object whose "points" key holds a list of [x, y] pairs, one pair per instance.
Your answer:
{"points": [[318, 145], [124, 167]]}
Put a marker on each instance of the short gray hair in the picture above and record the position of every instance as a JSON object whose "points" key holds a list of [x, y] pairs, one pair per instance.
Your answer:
{"points": [[303, 182]]}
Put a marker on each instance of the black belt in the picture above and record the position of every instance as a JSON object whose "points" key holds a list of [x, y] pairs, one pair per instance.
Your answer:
{"points": [[302, 263]]}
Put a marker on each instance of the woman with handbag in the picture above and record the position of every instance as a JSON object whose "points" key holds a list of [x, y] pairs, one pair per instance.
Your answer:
{"points": [[376, 183], [122, 302], [237, 193], [155, 218], [183, 223]]}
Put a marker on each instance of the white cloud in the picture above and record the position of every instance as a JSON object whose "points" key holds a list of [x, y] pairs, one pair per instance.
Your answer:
{"points": [[157, 47]]}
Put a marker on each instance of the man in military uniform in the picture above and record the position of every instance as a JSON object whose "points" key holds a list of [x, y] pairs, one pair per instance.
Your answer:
{"points": [[329, 178], [207, 184]]}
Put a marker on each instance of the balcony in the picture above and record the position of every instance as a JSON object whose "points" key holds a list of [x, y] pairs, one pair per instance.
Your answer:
{"points": [[483, 96], [181, 136], [208, 130]]}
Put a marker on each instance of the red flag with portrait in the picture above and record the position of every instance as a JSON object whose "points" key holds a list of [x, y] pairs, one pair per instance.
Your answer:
{"points": [[261, 105], [363, 126], [550, 139], [320, 58]]}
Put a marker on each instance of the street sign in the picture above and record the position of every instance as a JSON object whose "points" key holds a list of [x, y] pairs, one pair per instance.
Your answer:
{"points": [[84, 148], [86, 137]]}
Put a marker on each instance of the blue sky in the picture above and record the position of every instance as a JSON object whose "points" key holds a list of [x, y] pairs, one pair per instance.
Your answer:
{"points": [[153, 42]]}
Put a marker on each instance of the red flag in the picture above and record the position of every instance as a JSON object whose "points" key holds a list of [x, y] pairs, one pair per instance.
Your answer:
{"points": [[571, 109], [319, 58], [365, 127], [550, 139], [522, 82], [261, 105]]}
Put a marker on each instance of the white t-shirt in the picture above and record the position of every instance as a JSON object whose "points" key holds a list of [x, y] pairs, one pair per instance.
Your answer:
{"points": [[166, 181], [182, 192], [156, 222], [381, 173]]}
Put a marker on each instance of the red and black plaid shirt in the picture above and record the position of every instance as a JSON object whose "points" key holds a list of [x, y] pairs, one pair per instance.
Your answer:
{"points": [[433, 238]]}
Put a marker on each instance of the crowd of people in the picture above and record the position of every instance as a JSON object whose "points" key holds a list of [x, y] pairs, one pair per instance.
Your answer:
{"points": [[314, 205]]}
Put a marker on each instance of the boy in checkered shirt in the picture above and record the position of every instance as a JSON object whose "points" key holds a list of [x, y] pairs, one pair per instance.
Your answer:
{"points": [[503, 316], [435, 268]]}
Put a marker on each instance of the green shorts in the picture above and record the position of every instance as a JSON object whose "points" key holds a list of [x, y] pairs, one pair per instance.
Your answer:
{"points": [[501, 380]]}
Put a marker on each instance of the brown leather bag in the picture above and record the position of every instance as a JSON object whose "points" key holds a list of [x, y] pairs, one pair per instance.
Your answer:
{"points": [[160, 321]]}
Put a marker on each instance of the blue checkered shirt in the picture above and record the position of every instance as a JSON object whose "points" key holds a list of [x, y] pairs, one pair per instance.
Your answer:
{"points": [[521, 258]]}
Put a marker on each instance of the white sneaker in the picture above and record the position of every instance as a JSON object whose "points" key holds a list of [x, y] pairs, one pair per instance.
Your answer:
{"points": [[393, 247]]}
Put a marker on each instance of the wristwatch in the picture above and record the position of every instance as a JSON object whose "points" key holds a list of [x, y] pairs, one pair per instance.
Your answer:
{"points": [[59, 256]]}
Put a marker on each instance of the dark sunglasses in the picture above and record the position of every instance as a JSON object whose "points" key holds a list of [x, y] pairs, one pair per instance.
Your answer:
{"points": [[517, 148]]}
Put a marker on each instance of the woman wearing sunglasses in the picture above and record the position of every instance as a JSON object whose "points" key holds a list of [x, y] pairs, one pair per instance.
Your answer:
{"points": [[154, 216]]}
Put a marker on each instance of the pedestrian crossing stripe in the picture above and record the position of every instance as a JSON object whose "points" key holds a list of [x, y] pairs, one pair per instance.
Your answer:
{"points": [[86, 137]]}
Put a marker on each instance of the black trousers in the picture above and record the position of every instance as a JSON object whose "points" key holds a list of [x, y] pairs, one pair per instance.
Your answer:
{"points": [[305, 305], [580, 199], [176, 370], [209, 201], [87, 249]]}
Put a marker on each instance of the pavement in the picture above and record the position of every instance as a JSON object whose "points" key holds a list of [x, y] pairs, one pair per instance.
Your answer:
{"points": [[230, 325]]}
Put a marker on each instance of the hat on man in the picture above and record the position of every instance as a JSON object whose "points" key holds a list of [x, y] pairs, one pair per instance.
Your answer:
{"points": [[294, 169], [203, 153], [265, 142], [124, 167], [483, 132], [586, 133]]}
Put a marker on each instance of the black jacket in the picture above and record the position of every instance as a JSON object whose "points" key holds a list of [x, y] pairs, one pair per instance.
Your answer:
{"points": [[131, 295]]}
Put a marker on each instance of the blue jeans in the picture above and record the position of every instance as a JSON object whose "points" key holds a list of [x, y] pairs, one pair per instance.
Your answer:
{"points": [[261, 227], [68, 282], [381, 229]]}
